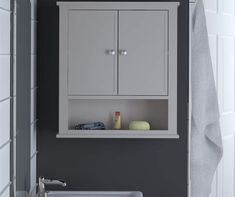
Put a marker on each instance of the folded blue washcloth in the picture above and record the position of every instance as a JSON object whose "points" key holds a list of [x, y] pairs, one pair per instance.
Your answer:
{"points": [[91, 126]]}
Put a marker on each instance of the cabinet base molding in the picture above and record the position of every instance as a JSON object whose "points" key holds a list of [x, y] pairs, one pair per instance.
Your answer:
{"points": [[152, 134], [119, 97]]}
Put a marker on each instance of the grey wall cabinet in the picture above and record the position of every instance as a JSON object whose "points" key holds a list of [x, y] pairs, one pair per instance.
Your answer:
{"points": [[123, 53]]}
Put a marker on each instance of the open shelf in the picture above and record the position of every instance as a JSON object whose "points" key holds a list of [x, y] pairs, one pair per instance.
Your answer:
{"points": [[87, 110]]}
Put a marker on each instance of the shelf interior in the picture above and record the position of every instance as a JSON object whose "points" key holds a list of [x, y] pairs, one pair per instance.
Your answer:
{"points": [[86, 111]]}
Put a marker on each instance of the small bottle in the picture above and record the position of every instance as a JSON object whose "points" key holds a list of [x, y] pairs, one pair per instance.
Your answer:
{"points": [[117, 120]]}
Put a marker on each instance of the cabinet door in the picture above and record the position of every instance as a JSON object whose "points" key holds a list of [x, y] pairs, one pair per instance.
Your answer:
{"points": [[143, 44], [92, 58]]}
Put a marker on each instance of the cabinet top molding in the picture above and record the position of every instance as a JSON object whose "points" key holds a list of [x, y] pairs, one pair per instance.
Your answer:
{"points": [[119, 5]]}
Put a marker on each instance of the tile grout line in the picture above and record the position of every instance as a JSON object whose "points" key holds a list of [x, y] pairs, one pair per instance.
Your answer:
{"points": [[5, 99], [5, 188], [5, 144]]}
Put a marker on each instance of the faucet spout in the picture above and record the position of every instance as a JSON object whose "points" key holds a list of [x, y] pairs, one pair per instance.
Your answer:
{"points": [[42, 182], [54, 182]]}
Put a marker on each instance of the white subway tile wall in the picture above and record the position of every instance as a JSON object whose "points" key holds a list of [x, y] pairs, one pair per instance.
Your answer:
{"points": [[5, 66], [6, 192], [4, 77], [4, 32], [4, 121], [5, 4], [4, 166]]}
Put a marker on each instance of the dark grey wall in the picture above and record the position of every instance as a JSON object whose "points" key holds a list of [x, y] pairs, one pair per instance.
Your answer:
{"points": [[155, 167], [23, 44]]}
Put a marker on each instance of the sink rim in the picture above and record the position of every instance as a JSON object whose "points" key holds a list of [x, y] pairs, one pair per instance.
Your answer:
{"points": [[137, 193]]}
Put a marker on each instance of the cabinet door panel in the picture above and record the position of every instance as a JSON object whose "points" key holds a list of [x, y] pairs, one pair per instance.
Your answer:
{"points": [[144, 35], [91, 70]]}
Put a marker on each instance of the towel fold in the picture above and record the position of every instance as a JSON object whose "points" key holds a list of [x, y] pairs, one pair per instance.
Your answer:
{"points": [[206, 143]]}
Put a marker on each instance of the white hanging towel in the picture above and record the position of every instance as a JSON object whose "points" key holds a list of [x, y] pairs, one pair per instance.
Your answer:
{"points": [[206, 143]]}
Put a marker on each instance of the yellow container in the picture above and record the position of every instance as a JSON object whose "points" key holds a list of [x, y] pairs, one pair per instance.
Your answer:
{"points": [[117, 120]]}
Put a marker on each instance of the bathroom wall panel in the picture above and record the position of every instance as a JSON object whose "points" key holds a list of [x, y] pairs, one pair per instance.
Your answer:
{"points": [[213, 42], [33, 99], [33, 71], [4, 166], [227, 72], [5, 4], [33, 112], [14, 100], [211, 5], [33, 37], [4, 121], [4, 32], [33, 140], [5, 66], [33, 9], [23, 104], [228, 7], [4, 76], [14, 80], [33, 165], [6, 192]]}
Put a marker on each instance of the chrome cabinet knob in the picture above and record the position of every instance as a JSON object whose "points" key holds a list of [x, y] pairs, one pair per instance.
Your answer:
{"points": [[123, 52], [111, 52]]}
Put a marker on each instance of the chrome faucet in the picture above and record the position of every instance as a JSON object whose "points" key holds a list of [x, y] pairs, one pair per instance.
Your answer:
{"points": [[42, 182]]}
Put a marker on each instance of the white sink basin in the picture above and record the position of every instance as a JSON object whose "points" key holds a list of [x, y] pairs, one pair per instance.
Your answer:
{"points": [[94, 194]]}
